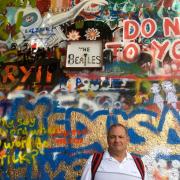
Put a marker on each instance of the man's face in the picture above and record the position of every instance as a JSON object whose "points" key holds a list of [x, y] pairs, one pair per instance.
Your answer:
{"points": [[117, 140]]}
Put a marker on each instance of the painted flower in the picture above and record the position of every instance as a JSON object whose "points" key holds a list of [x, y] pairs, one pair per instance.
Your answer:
{"points": [[92, 34], [73, 35]]}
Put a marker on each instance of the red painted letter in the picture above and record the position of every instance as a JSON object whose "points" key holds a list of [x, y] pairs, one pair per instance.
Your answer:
{"points": [[130, 25], [171, 28], [161, 49], [9, 69], [174, 52], [26, 73], [131, 52], [152, 28]]}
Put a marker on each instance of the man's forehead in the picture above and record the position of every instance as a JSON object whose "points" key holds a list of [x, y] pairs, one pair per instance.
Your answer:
{"points": [[117, 129]]}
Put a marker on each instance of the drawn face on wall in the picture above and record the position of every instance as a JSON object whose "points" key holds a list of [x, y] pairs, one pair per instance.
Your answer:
{"points": [[168, 86], [155, 88]]}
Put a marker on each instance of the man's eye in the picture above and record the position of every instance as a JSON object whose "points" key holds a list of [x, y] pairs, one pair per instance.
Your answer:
{"points": [[112, 137]]}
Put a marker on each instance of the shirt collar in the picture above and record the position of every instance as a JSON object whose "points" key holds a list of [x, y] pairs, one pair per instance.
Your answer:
{"points": [[108, 156]]}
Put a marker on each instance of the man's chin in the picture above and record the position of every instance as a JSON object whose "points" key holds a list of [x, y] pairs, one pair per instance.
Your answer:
{"points": [[118, 150]]}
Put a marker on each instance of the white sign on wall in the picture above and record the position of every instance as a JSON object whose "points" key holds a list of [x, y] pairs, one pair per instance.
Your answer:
{"points": [[83, 54]]}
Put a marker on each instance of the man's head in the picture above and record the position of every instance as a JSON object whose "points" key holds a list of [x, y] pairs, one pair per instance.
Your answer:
{"points": [[118, 139]]}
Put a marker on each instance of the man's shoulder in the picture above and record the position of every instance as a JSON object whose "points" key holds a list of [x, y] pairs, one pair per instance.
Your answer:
{"points": [[97, 155], [134, 156], [140, 165]]}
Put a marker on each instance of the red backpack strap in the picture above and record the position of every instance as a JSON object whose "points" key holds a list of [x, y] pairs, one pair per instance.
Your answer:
{"points": [[96, 160], [139, 165]]}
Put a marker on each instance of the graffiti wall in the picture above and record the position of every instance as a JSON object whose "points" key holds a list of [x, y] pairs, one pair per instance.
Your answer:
{"points": [[71, 68]]}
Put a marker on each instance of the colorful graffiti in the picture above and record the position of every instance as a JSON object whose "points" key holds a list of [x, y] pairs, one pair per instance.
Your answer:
{"points": [[52, 118], [35, 132]]}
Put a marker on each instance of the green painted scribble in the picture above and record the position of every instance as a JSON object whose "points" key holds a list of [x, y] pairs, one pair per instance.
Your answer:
{"points": [[17, 3], [19, 21], [23, 4], [123, 68], [3, 34], [3, 19], [4, 4]]}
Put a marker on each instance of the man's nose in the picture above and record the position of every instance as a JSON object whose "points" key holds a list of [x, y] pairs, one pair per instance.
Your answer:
{"points": [[117, 139]]}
